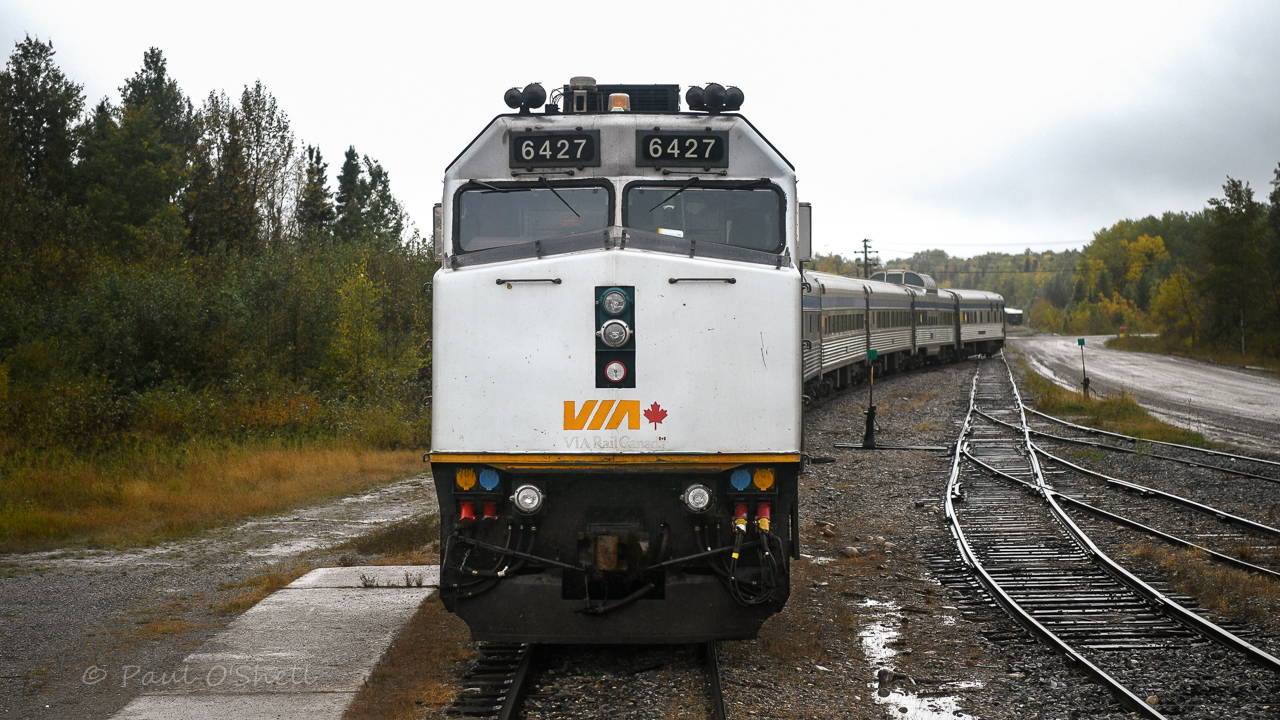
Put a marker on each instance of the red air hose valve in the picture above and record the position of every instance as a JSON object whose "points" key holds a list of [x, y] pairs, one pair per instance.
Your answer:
{"points": [[490, 510], [468, 516], [762, 516], [740, 517]]}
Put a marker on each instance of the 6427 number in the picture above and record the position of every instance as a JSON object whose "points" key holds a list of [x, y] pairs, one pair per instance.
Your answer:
{"points": [[578, 149], [706, 149]]}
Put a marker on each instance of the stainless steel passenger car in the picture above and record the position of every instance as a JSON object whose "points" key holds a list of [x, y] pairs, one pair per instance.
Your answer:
{"points": [[901, 315]]}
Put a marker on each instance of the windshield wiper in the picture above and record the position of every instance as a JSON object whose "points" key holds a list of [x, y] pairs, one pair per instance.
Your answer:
{"points": [[688, 183], [553, 190], [495, 188]]}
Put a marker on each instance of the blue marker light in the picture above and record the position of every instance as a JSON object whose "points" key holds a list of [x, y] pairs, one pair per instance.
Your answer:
{"points": [[740, 479], [488, 478]]}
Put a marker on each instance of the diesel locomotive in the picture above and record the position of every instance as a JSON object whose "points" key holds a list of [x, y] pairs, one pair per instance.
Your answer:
{"points": [[623, 339]]}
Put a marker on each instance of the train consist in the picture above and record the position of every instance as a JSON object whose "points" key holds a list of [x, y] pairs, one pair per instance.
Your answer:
{"points": [[903, 316], [623, 342]]}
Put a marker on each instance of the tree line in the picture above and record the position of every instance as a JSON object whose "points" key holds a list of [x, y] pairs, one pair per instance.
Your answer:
{"points": [[169, 270], [1022, 279], [1206, 282]]}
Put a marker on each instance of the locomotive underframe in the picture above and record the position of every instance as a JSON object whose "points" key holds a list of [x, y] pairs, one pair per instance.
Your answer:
{"points": [[596, 573]]}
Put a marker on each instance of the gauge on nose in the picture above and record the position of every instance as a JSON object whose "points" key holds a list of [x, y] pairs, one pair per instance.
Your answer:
{"points": [[614, 333]]}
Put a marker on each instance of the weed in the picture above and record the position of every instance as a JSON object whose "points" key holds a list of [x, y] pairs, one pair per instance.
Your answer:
{"points": [[1118, 412], [398, 537], [147, 493], [416, 676], [258, 586], [368, 581], [408, 542], [1235, 593]]}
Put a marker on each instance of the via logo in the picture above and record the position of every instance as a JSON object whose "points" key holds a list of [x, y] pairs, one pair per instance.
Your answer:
{"points": [[602, 414]]}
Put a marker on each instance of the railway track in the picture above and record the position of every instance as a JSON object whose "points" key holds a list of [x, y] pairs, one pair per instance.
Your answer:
{"points": [[505, 676], [1031, 558]]}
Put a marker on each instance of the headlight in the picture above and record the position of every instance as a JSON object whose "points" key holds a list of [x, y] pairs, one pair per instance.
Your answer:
{"points": [[697, 497], [614, 302], [528, 499], [615, 333]]}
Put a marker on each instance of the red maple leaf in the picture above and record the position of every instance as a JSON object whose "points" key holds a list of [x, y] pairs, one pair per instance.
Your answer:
{"points": [[655, 415]]}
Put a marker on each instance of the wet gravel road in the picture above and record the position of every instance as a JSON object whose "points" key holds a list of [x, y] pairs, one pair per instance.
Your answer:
{"points": [[1223, 403]]}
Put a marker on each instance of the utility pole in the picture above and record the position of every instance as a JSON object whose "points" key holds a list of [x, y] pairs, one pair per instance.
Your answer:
{"points": [[866, 264]]}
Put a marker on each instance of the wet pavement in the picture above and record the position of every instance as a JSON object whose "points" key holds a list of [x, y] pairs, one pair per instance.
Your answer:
{"points": [[1223, 403]]}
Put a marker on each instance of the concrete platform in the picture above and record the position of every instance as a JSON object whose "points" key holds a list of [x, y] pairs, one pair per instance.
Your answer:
{"points": [[301, 653]]}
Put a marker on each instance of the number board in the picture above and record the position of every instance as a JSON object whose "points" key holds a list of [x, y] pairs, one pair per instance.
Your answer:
{"points": [[555, 149], [667, 148]]}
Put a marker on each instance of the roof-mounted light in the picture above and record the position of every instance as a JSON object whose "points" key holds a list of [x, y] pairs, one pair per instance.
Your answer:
{"points": [[619, 102], [714, 98], [532, 96]]}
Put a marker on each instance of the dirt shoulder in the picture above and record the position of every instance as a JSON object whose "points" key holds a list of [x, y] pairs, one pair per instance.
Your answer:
{"points": [[123, 613]]}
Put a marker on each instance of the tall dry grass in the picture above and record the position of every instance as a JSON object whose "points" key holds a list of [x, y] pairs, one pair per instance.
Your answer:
{"points": [[147, 493], [1118, 412], [1235, 593]]}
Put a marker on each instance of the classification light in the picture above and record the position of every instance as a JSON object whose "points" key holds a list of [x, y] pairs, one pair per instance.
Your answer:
{"points": [[697, 497], [615, 371], [528, 499], [615, 333], [614, 302]]}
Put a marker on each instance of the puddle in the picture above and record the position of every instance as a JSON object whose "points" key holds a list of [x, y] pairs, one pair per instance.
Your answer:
{"points": [[877, 638]]}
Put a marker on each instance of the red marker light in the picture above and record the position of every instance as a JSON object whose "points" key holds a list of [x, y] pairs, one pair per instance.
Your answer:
{"points": [[468, 516], [615, 371]]}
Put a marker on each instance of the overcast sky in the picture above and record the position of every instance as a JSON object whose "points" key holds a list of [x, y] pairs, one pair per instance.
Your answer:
{"points": [[968, 127]]}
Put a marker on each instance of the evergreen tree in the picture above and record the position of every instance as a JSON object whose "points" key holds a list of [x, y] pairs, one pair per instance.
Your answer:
{"points": [[348, 196], [40, 105], [1235, 277], [171, 108], [315, 211]]}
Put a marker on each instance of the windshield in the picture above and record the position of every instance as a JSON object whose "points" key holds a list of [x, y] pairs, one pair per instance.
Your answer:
{"points": [[490, 216], [744, 217]]}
